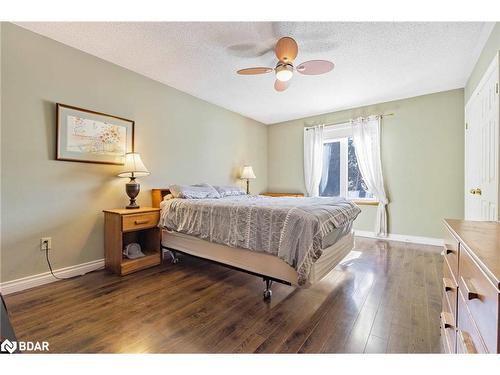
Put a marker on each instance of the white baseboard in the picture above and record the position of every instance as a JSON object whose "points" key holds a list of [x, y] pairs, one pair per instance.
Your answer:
{"points": [[402, 238], [46, 278]]}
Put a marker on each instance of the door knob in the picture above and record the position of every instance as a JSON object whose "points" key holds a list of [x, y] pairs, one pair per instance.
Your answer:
{"points": [[475, 191]]}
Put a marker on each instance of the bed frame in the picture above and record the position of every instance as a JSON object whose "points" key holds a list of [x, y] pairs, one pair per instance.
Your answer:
{"points": [[269, 267]]}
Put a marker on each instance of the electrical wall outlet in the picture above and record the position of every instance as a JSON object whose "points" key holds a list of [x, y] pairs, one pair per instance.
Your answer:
{"points": [[45, 243]]}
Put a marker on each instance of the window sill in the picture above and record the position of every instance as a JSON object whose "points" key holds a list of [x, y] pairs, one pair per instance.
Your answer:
{"points": [[363, 202]]}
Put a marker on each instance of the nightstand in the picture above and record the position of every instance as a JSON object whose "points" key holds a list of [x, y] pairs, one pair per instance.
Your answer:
{"points": [[124, 226], [283, 194]]}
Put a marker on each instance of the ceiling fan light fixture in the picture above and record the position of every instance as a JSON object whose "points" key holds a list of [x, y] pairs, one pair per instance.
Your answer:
{"points": [[286, 51], [284, 72]]}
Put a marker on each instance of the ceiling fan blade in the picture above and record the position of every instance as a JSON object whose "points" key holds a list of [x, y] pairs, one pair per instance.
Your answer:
{"points": [[281, 85], [251, 49], [314, 67], [286, 49], [259, 70]]}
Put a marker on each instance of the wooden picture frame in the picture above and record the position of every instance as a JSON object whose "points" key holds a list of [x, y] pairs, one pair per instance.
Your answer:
{"points": [[92, 137]]}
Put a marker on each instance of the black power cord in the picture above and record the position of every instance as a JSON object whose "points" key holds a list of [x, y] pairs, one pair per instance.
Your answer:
{"points": [[50, 266], [52, 272]]}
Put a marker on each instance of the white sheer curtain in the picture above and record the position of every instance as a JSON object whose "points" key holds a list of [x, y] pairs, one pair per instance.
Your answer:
{"points": [[313, 159], [366, 138]]}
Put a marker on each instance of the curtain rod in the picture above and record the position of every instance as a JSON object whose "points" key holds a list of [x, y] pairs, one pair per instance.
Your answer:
{"points": [[343, 122]]}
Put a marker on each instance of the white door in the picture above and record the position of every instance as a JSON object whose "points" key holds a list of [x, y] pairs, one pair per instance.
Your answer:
{"points": [[482, 139], [472, 160]]}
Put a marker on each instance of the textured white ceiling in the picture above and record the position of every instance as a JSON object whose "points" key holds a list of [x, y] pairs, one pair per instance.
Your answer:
{"points": [[374, 62]]}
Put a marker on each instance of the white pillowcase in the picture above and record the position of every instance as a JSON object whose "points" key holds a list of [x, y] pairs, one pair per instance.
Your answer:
{"points": [[199, 191], [229, 191]]}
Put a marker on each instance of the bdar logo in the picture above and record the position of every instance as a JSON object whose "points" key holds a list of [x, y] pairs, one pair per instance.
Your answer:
{"points": [[8, 346]]}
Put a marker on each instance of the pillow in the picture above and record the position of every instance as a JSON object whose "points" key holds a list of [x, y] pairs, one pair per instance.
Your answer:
{"points": [[193, 192], [203, 184], [229, 191]]}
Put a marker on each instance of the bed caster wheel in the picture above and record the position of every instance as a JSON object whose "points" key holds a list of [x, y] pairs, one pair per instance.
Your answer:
{"points": [[267, 291], [175, 259], [267, 294]]}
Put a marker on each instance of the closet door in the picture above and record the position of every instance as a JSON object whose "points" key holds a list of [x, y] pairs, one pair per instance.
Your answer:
{"points": [[472, 160], [482, 139]]}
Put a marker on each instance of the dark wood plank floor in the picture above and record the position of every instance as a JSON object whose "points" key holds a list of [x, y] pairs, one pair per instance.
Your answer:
{"points": [[384, 297]]}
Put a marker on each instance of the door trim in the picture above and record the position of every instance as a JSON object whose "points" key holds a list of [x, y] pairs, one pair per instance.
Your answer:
{"points": [[494, 62]]}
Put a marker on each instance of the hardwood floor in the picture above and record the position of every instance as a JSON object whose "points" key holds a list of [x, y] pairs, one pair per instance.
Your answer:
{"points": [[384, 297]]}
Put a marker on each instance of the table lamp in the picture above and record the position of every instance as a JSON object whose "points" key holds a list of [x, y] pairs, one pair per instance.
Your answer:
{"points": [[247, 174], [134, 167]]}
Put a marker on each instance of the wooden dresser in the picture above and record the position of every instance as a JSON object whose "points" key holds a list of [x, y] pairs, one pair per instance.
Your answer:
{"points": [[471, 287]]}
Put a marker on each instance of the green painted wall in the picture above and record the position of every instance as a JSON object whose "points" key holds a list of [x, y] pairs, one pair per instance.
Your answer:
{"points": [[181, 139], [422, 157], [491, 47]]}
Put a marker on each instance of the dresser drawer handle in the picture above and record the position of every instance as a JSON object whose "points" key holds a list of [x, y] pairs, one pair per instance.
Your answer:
{"points": [[470, 291], [447, 251], [448, 284], [467, 342], [446, 320], [143, 221]]}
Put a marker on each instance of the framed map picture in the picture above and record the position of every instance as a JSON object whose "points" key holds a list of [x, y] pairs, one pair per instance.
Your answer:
{"points": [[92, 137]]}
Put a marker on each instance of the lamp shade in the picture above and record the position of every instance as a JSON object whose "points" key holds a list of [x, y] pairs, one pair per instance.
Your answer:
{"points": [[134, 167], [247, 172]]}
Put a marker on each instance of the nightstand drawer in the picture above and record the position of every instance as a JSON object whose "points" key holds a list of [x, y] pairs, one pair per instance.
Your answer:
{"points": [[140, 221]]}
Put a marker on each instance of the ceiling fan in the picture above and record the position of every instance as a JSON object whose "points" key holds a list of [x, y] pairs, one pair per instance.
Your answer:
{"points": [[286, 51]]}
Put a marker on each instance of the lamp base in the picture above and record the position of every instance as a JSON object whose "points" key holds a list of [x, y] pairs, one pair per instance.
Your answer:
{"points": [[132, 188], [132, 205]]}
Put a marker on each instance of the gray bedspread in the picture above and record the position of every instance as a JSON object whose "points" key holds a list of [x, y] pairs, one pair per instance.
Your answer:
{"points": [[293, 229]]}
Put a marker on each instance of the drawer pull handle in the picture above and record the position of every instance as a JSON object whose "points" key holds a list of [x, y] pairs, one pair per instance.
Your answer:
{"points": [[447, 251], [470, 291], [448, 284], [467, 342], [143, 221], [447, 320]]}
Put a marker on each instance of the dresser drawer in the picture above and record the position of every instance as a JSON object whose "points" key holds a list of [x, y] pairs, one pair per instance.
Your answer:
{"points": [[450, 288], [481, 298], [448, 331], [468, 338], [140, 221], [448, 326], [465, 345], [450, 252]]}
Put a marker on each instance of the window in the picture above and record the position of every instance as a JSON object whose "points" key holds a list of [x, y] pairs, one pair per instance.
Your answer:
{"points": [[341, 175]]}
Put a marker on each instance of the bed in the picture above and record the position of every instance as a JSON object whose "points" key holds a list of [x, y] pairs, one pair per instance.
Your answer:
{"points": [[295, 241]]}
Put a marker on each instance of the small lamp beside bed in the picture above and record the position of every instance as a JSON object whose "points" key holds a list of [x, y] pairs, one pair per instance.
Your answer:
{"points": [[247, 174], [134, 167]]}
